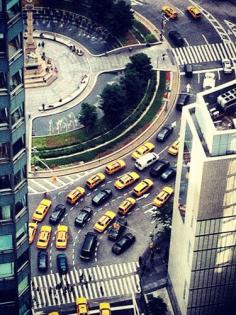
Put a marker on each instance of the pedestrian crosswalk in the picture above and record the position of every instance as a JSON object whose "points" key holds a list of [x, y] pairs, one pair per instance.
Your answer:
{"points": [[92, 283], [204, 53], [40, 185]]}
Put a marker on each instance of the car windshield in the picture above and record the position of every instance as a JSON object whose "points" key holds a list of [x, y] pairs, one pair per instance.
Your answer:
{"points": [[99, 196], [82, 215], [122, 242]]}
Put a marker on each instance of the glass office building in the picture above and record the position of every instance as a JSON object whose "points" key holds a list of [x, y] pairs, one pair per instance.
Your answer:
{"points": [[202, 260], [15, 295]]}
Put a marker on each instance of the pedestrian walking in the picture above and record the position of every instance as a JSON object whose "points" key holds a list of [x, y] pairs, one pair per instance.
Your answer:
{"points": [[163, 56], [50, 290], [81, 276], [57, 286], [101, 290], [56, 300], [90, 277], [43, 44]]}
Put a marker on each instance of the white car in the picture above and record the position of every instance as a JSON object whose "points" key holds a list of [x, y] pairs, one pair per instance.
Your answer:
{"points": [[209, 80], [227, 66]]}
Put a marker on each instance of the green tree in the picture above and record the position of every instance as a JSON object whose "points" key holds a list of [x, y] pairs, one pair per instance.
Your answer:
{"points": [[113, 103], [134, 85], [150, 38], [88, 116], [101, 10], [120, 19], [142, 64], [157, 306]]}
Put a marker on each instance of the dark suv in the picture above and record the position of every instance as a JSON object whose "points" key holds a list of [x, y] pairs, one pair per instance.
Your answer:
{"points": [[176, 38], [164, 133], [57, 214], [159, 168], [62, 264], [182, 100]]}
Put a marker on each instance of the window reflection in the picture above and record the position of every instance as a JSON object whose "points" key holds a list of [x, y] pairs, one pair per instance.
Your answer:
{"points": [[184, 181]]}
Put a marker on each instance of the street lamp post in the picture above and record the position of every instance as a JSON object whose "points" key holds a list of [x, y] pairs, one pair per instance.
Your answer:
{"points": [[164, 19], [35, 151]]}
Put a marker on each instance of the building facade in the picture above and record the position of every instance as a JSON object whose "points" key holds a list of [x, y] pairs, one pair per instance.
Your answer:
{"points": [[202, 257], [15, 295]]}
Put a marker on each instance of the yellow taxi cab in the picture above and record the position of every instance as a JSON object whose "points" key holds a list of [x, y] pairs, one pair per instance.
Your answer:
{"points": [[174, 148], [75, 195], [53, 313], [126, 205], [104, 221], [61, 236], [105, 309], [143, 149], [126, 180], [44, 236], [94, 180], [81, 306], [163, 196], [194, 12], [32, 231], [170, 12], [142, 187], [42, 210], [115, 166]]}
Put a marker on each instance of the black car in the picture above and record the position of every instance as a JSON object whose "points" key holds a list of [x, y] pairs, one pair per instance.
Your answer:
{"points": [[182, 100], [164, 133], [57, 214], [62, 264], [177, 38], [101, 197], [83, 216], [169, 173], [42, 261], [159, 168], [188, 70], [124, 243], [117, 229]]}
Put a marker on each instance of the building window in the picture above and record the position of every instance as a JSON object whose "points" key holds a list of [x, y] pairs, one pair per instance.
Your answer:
{"points": [[3, 117], [6, 270], [15, 45], [5, 213], [20, 205], [18, 146], [3, 80], [19, 176], [4, 150], [16, 80], [23, 259], [21, 233], [6, 242], [23, 284], [2, 44], [5, 182], [17, 115], [13, 8]]}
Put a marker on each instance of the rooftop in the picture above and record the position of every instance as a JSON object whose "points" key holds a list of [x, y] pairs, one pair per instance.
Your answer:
{"points": [[221, 104]]}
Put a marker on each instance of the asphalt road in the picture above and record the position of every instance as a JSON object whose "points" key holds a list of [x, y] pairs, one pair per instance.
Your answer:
{"points": [[139, 214]]}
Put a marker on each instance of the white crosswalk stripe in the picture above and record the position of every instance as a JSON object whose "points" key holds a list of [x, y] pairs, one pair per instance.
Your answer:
{"points": [[204, 53], [100, 281]]}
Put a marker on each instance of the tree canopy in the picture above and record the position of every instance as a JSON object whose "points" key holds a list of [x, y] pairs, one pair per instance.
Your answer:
{"points": [[88, 116], [157, 306], [113, 103]]}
